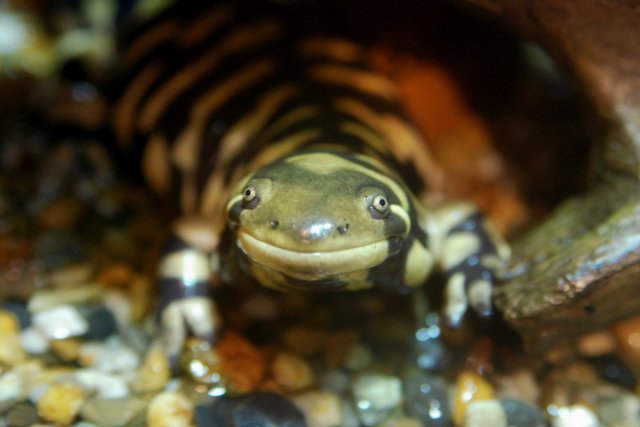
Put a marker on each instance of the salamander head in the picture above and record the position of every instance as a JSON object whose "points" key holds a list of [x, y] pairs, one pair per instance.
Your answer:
{"points": [[318, 221]]}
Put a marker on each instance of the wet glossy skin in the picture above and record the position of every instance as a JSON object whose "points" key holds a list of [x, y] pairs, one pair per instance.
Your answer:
{"points": [[318, 217]]}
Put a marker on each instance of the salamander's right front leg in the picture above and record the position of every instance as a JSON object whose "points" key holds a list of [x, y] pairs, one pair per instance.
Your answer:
{"points": [[184, 276]]}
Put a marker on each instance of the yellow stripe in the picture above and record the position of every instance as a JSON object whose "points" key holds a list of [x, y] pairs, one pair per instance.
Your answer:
{"points": [[403, 140], [246, 128], [204, 26], [187, 147], [125, 111], [362, 80], [327, 163], [248, 36], [148, 41], [332, 48]]}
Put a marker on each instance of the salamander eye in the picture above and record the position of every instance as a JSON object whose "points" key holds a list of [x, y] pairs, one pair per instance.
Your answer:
{"points": [[380, 207], [250, 197]]}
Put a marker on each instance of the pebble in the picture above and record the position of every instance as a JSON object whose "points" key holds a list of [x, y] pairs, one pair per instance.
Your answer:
{"points": [[596, 344], [170, 409], [469, 387], [519, 385], [358, 357], [523, 414], [33, 341], [242, 365], [620, 410], [573, 416], [303, 340], [61, 403], [60, 322], [200, 362], [68, 350], [335, 347], [402, 422], [22, 414], [10, 386], [613, 369], [154, 373], [51, 298], [113, 412], [255, 409], [111, 355], [485, 413], [627, 333], [102, 323], [375, 396], [11, 351], [104, 385], [320, 408], [427, 399], [292, 372]]}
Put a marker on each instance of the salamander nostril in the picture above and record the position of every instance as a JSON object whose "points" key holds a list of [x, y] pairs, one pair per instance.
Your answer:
{"points": [[274, 224], [342, 229]]}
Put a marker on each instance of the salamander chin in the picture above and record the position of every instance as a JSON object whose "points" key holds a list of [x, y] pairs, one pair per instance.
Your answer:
{"points": [[312, 266]]}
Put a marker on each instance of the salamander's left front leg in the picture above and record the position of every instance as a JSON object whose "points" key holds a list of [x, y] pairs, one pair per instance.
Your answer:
{"points": [[470, 253]]}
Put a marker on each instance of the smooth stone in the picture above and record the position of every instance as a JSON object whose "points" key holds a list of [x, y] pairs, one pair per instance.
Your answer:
{"points": [[169, 409], [104, 385], [613, 369], [61, 403], [376, 396], [109, 356], [320, 408], [112, 412], [621, 410], [427, 399], [485, 413], [469, 387], [33, 341], [572, 416], [523, 414], [292, 372], [22, 414], [154, 373], [255, 410], [63, 321], [102, 323]]}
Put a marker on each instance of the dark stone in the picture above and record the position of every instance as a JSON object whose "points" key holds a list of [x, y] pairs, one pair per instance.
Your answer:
{"points": [[19, 309], [253, 410], [427, 399], [23, 414], [102, 323], [612, 368], [522, 414]]}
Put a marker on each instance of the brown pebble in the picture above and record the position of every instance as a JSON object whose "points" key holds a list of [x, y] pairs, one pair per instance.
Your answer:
{"points": [[627, 333], [68, 350], [61, 214], [242, 365], [292, 372], [336, 347]]}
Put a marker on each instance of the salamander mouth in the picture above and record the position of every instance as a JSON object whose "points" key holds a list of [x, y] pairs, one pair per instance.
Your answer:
{"points": [[313, 266]]}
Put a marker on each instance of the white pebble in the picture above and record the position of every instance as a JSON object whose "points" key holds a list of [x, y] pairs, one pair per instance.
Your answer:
{"points": [[105, 386], [10, 386], [485, 413], [377, 391], [60, 322], [33, 341], [109, 356], [572, 416]]}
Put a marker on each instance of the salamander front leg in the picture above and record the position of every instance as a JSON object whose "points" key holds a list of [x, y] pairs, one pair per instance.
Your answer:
{"points": [[186, 307], [470, 254]]}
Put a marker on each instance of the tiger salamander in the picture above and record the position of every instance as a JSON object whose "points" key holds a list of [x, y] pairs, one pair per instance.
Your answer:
{"points": [[287, 155]]}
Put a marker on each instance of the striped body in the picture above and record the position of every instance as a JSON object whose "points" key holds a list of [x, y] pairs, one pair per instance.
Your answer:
{"points": [[257, 125]]}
